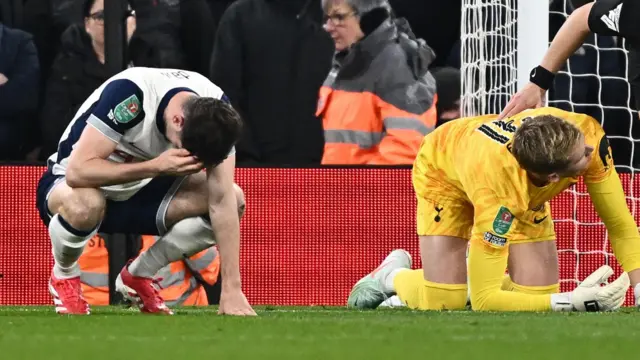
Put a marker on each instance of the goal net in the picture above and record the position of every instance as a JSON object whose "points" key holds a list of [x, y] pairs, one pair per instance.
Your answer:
{"points": [[502, 40]]}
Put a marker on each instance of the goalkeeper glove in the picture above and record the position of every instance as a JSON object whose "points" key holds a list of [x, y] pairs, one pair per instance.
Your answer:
{"points": [[592, 294]]}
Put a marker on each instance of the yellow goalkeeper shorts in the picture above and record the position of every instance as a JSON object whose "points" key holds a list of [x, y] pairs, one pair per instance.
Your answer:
{"points": [[441, 211]]}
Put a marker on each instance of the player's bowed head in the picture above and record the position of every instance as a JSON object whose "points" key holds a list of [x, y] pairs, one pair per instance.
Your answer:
{"points": [[549, 149], [206, 127]]}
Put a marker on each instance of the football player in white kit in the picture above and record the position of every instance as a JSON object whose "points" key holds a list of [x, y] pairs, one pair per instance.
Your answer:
{"points": [[132, 161]]}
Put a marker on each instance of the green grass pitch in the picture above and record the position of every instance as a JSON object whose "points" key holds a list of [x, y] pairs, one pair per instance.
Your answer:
{"points": [[316, 333]]}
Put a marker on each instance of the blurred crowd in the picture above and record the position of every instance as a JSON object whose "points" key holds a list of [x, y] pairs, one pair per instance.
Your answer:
{"points": [[355, 82]]}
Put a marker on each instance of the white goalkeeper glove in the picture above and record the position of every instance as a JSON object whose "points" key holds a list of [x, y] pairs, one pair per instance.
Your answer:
{"points": [[592, 294]]}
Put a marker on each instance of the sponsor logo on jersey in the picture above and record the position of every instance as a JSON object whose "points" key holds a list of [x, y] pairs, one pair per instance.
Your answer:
{"points": [[127, 110], [506, 125], [111, 116], [612, 19], [495, 239], [502, 222]]}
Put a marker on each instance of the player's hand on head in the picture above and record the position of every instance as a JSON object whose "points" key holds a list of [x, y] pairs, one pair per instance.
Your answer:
{"points": [[178, 162], [529, 97], [594, 295], [233, 302]]}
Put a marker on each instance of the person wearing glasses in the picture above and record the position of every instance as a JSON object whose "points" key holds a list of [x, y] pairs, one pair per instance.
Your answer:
{"points": [[79, 69], [378, 101]]}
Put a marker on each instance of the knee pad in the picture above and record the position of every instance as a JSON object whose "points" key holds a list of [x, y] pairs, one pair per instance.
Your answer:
{"points": [[421, 294]]}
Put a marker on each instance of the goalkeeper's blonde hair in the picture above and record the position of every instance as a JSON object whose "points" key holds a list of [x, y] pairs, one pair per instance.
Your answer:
{"points": [[544, 144]]}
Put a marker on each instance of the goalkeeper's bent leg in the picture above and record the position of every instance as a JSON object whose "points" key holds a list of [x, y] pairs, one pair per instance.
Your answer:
{"points": [[421, 294]]}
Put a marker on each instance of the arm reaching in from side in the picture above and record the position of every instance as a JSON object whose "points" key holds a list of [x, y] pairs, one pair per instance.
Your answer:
{"points": [[568, 39], [225, 223]]}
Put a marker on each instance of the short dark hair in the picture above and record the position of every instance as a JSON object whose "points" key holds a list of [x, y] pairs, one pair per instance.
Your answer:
{"points": [[211, 129], [86, 7], [543, 144]]}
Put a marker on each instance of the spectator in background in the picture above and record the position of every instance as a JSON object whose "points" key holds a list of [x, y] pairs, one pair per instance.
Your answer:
{"points": [[77, 71], [270, 57], [199, 20], [448, 85], [378, 101], [19, 77], [156, 42]]}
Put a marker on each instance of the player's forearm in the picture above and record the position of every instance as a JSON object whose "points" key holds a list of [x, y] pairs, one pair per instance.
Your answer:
{"points": [[568, 39], [486, 272], [610, 203], [100, 172], [226, 230]]}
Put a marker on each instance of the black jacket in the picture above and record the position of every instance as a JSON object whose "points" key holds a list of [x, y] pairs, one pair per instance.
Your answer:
{"points": [[75, 74], [19, 95], [19, 63], [271, 57]]}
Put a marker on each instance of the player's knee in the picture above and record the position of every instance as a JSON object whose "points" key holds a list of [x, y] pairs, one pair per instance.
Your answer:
{"points": [[84, 208], [239, 199]]}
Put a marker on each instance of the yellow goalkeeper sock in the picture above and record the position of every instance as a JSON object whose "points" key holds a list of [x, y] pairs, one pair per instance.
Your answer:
{"points": [[421, 294], [536, 290], [509, 285]]}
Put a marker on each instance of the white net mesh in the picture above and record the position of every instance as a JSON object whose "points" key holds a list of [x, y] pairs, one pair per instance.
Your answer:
{"points": [[592, 82], [488, 65]]}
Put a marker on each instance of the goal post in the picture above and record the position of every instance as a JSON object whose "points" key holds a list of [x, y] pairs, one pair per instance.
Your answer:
{"points": [[501, 41], [532, 36]]}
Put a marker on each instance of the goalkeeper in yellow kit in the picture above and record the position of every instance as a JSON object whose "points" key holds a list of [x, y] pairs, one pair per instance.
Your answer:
{"points": [[485, 184]]}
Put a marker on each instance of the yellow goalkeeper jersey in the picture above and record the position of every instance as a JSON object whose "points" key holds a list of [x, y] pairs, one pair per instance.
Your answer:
{"points": [[469, 161]]}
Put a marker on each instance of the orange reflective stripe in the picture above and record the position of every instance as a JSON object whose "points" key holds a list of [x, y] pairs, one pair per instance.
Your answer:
{"points": [[94, 275], [360, 128], [406, 123], [94, 279], [404, 133], [197, 298], [363, 139]]}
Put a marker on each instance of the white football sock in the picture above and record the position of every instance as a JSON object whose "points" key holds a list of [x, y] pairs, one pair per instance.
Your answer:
{"points": [[67, 246], [388, 280], [186, 238]]}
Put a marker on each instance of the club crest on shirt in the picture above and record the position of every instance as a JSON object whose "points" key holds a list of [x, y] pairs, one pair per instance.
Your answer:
{"points": [[127, 110], [503, 220]]}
